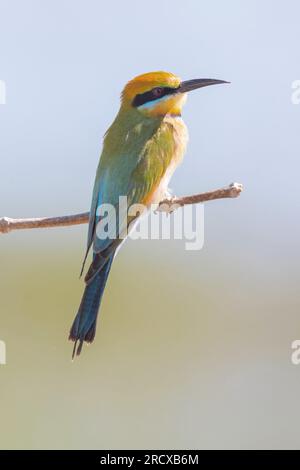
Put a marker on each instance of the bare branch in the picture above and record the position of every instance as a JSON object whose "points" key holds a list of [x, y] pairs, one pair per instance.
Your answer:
{"points": [[167, 205], [7, 224], [231, 191]]}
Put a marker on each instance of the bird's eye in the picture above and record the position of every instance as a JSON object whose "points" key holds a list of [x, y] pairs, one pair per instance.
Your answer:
{"points": [[157, 92]]}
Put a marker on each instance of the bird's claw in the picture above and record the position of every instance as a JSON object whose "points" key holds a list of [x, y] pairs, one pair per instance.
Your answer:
{"points": [[168, 205]]}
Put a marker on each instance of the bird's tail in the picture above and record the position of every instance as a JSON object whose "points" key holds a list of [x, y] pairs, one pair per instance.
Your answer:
{"points": [[84, 325]]}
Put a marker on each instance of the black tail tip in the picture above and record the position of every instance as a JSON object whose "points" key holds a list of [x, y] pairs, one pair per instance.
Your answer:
{"points": [[77, 348], [79, 337], [78, 342]]}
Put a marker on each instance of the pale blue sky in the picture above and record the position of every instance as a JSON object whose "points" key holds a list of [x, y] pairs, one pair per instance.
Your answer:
{"points": [[65, 63]]}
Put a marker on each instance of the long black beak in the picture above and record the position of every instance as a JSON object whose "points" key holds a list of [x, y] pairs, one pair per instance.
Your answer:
{"points": [[190, 85]]}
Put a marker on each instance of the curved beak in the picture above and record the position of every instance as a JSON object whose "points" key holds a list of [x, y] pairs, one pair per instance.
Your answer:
{"points": [[190, 85]]}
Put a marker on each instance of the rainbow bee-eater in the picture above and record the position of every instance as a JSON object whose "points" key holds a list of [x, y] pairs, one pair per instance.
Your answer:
{"points": [[141, 150]]}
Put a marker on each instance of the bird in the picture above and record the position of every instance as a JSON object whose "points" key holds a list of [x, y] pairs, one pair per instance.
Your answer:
{"points": [[141, 150]]}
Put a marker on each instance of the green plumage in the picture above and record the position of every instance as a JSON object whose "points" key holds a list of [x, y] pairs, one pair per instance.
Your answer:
{"points": [[137, 151]]}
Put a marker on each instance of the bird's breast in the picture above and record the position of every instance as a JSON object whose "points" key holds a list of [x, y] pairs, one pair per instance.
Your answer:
{"points": [[175, 129]]}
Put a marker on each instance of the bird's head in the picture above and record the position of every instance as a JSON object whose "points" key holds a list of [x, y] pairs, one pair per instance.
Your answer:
{"points": [[156, 94]]}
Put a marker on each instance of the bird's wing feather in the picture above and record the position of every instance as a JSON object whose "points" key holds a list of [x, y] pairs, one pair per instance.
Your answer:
{"points": [[136, 176]]}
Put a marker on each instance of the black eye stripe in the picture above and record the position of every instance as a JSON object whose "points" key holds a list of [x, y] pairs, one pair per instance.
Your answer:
{"points": [[152, 95]]}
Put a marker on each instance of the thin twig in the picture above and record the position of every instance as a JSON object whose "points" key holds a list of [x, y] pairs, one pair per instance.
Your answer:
{"points": [[167, 205]]}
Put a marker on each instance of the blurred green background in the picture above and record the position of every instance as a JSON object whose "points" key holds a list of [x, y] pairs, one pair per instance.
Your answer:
{"points": [[193, 349]]}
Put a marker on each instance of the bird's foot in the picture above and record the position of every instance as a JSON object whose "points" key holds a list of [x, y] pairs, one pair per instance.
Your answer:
{"points": [[168, 205]]}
